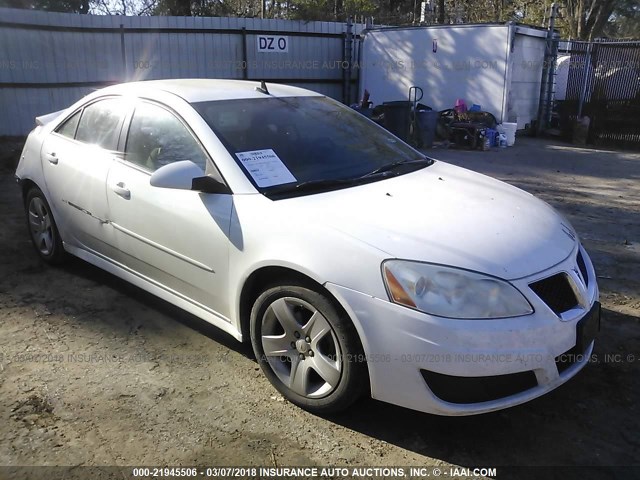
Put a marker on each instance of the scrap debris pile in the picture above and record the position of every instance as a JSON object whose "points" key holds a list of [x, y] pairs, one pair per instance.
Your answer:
{"points": [[421, 126]]}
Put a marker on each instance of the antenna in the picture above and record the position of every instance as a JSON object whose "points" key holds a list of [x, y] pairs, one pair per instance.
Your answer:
{"points": [[263, 88]]}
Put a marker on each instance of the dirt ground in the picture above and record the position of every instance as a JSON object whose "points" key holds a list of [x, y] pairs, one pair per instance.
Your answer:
{"points": [[96, 372]]}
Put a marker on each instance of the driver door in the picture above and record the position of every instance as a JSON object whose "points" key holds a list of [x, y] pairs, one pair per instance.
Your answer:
{"points": [[178, 239]]}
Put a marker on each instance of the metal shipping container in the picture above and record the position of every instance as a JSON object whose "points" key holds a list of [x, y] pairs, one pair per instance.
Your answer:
{"points": [[497, 66]]}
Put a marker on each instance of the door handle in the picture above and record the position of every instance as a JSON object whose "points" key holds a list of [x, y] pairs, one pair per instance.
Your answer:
{"points": [[52, 157], [121, 190]]}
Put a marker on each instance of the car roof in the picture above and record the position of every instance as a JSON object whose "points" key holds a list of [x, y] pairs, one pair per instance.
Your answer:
{"points": [[204, 89]]}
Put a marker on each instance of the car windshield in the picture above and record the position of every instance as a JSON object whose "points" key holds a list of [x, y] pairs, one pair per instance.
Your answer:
{"points": [[292, 143]]}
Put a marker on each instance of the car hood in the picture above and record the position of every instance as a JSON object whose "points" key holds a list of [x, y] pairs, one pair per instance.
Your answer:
{"points": [[447, 215]]}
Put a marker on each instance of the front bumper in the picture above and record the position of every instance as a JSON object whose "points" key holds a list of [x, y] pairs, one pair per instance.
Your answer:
{"points": [[406, 350]]}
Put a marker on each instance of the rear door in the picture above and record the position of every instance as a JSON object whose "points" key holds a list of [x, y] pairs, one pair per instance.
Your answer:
{"points": [[176, 238], [76, 158]]}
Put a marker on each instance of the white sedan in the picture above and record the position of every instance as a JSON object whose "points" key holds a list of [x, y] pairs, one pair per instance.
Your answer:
{"points": [[351, 261]]}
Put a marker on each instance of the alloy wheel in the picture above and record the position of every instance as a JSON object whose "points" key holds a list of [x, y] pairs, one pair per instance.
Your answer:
{"points": [[40, 226], [301, 347]]}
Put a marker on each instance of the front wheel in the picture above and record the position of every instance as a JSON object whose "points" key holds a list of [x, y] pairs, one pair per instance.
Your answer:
{"points": [[308, 349]]}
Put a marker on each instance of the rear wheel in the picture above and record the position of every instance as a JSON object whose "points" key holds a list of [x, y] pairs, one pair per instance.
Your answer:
{"points": [[42, 227], [307, 348]]}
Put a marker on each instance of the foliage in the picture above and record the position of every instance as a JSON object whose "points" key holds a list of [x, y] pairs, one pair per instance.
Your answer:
{"points": [[331, 10], [578, 19], [625, 22], [74, 6]]}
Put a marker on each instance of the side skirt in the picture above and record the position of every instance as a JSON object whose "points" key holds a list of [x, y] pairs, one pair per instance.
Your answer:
{"points": [[156, 289]]}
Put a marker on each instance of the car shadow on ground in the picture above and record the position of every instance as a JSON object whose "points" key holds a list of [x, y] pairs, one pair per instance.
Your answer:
{"points": [[79, 268]]}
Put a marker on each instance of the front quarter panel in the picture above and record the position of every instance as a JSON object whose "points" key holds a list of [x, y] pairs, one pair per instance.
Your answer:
{"points": [[264, 235]]}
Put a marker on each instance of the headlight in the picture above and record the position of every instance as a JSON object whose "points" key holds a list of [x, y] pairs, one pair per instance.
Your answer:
{"points": [[452, 292]]}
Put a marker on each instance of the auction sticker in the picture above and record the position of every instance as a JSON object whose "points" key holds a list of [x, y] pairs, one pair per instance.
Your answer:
{"points": [[265, 167]]}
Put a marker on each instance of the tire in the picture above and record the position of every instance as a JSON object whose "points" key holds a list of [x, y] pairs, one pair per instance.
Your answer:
{"points": [[308, 349], [42, 228]]}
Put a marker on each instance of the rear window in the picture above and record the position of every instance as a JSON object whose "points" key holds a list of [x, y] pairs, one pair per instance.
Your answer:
{"points": [[300, 139]]}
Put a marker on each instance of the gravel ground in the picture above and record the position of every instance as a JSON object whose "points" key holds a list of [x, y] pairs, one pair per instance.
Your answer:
{"points": [[96, 372]]}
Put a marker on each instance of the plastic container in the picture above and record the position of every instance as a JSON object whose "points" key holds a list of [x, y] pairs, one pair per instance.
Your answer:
{"points": [[475, 108], [486, 143], [460, 106], [510, 132], [427, 123], [492, 135], [397, 118], [502, 140]]}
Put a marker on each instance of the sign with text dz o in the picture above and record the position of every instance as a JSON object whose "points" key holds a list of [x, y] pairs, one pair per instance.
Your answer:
{"points": [[273, 43]]}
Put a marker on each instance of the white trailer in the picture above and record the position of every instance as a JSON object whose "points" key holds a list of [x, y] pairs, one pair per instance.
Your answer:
{"points": [[497, 66]]}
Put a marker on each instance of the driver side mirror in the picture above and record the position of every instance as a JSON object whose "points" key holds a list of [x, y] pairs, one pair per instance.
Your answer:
{"points": [[186, 175]]}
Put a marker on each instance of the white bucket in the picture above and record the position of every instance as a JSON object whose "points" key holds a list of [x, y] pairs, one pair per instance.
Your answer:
{"points": [[510, 132]]}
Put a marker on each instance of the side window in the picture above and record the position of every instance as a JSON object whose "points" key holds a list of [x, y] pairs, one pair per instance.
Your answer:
{"points": [[101, 122], [157, 138], [68, 128]]}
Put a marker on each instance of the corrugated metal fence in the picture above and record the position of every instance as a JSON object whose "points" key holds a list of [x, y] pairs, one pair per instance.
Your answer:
{"points": [[50, 60], [603, 83]]}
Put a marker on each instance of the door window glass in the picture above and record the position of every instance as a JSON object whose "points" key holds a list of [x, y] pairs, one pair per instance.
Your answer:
{"points": [[68, 128], [101, 122], [157, 138]]}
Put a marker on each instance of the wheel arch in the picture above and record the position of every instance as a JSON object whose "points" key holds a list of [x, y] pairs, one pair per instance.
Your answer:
{"points": [[260, 279], [269, 275], [27, 184]]}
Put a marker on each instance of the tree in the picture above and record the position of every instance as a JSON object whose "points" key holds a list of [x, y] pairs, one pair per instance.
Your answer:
{"points": [[180, 8], [123, 7], [578, 19], [586, 19], [625, 21], [71, 6], [529, 12], [330, 10]]}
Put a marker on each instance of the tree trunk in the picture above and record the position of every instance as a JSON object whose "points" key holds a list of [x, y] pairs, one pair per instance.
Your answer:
{"points": [[587, 18], [600, 18], [181, 8], [337, 10]]}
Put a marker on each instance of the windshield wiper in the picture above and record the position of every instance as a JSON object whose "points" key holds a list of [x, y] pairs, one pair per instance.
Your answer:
{"points": [[313, 185], [392, 166], [329, 183], [319, 184]]}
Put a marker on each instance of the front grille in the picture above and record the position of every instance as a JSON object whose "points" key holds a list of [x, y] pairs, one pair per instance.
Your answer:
{"points": [[478, 389], [583, 268], [556, 292]]}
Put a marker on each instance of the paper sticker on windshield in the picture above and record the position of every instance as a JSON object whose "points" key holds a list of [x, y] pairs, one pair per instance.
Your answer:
{"points": [[265, 167]]}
